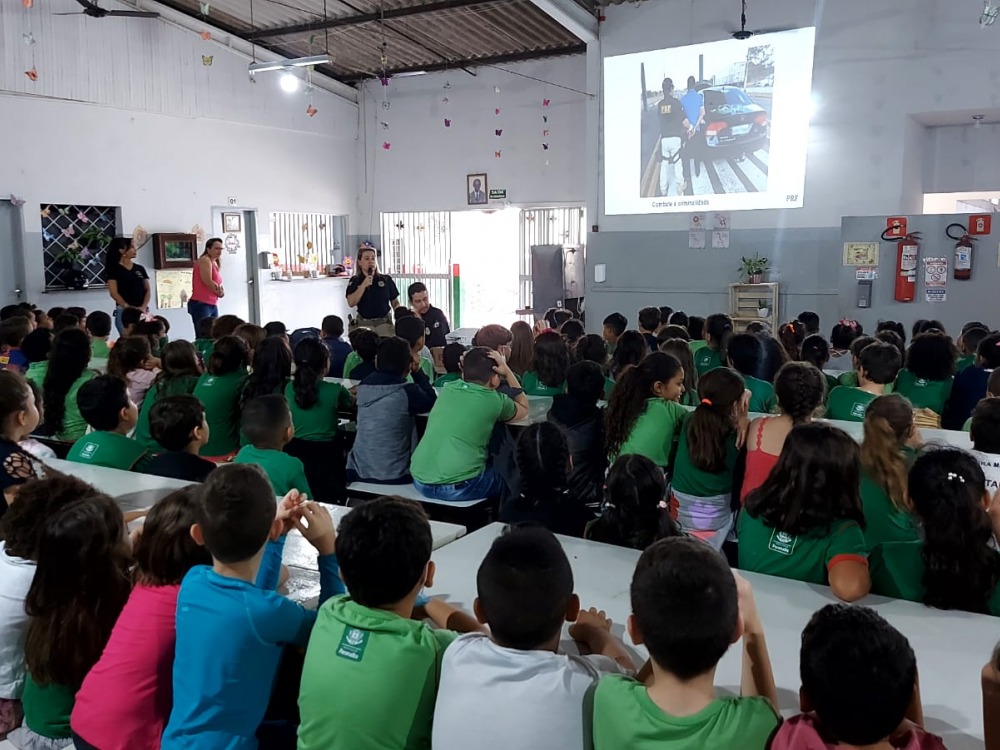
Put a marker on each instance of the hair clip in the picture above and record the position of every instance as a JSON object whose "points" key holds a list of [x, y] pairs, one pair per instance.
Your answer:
{"points": [[662, 505], [609, 506], [707, 401], [952, 476]]}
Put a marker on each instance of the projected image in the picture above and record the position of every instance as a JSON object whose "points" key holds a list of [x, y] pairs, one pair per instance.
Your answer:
{"points": [[720, 125]]}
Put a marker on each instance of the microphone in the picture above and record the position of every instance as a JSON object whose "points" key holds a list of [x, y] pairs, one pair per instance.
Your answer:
{"points": [[371, 271]]}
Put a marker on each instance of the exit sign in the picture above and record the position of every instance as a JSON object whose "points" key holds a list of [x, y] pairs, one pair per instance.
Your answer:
{"points": [[498, 195]]}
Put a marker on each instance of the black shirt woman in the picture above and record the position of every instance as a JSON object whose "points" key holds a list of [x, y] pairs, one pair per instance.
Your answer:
{"points": [[128, 282], [373, 294]]}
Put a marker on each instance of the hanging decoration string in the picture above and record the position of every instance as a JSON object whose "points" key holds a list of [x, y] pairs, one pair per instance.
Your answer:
{"points": [[538, 80]]}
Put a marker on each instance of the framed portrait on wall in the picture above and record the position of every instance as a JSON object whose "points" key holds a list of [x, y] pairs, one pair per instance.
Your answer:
{"points": [[232, 222], [175, 250], [477, 189]]}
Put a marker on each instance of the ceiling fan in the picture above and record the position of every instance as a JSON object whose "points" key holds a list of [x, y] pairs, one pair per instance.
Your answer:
{"points": [[95, 11], [744, 33]]}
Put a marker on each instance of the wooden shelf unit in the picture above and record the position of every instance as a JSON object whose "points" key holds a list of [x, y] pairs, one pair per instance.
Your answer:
{"points": [[743, 300]]}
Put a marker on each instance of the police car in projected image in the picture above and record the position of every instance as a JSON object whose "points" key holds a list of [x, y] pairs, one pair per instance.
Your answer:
{"points": [[733, 121]]}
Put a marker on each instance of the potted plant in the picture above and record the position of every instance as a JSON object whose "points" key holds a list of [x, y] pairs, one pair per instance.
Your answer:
{"points": [[753, 269], [72, 261], [763, 310]]}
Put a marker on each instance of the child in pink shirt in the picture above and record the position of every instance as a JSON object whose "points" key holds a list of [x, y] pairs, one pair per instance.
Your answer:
{"points": [[125, 700]]}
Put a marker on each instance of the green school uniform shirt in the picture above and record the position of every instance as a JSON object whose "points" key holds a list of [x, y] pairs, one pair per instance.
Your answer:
{"points": [[285, 472], [534, 387], [447, 378], [220, 395], [963, 362], [848, 379], [884, 522], [762, 398], [697, 344], [47, 708], [36, 372], [923, 394], [319, 422], [109, 449], [848, 404], [453, 448], [205, 347], [897, 570], [653, 433], [74, 425], [370, 679], [690, 398], [428, 367], [99, 349], [831, 383], [609, 385], [967, 427], [802, 558], [706, 359], [691, 480], [626, 717], [352, 361], [182, 386]]}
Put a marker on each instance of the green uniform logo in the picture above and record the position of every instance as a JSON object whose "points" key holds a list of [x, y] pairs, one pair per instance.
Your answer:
{"points": [[88, 450], [781, 542], [858, 410], [353, 644]]}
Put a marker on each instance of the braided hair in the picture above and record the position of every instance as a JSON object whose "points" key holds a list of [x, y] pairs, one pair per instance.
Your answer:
{"points": [[635, 513], [542, 456], [800, 389]]}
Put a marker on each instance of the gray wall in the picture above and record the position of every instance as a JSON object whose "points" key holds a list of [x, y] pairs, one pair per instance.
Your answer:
{"points": [[975, 299], [657, 268]]}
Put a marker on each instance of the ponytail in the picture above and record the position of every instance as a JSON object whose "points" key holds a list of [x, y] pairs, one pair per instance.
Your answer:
{"points": [[628, 397], [714, 420], [634, 513], [888, 424], [312, 362], [719, 328]]}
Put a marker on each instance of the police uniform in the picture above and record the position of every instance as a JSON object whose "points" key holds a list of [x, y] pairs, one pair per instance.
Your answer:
{"points": [[436, 327], [672, 133], [375, 305]]}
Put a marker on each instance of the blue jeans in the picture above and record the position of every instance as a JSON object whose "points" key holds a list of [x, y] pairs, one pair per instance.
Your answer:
{"points": [[201, 310], [489, 484]]}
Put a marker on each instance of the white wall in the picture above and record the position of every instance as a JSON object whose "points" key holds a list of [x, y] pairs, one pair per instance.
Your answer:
{"points": [[963, 158], [427, 165], [125, 114]]}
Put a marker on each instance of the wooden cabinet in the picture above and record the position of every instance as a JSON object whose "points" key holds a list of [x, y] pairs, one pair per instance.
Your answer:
{"points": [[745, 301]]}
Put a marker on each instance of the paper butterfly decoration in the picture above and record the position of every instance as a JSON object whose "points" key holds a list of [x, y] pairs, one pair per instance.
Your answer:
{"points": [[447, 122], [546, 102], [546, 162], [32, 74], [447, 85], [196, 230], [68, 232], [206, 36], [308, 90], [384, 124], [545, 118], [309, 246], [205, 8], [64, 211], [496, 89], [386, 104], [445, 100], [399, 225], [545, 133], [545, 147], [305, 227], [27, 3], [322, 226], [15, 201], [499, 132], [47, 237], [496, 111], [45, 212], [28, 39], [497, 154], [140, 236], [386, 145], [311, 111], [207, 60], [82, 217], [989, 16]]}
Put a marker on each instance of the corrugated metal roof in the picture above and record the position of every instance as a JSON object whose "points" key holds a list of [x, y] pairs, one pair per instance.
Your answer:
{"points": [[449, 33]]}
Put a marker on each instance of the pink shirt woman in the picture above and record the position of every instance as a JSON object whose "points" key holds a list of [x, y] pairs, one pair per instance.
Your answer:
{"points": [[206, 284]]}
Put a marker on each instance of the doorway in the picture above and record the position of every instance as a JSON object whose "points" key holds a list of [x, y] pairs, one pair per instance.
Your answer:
{"points": [[485, 249], [239, 263], [12, 276]]}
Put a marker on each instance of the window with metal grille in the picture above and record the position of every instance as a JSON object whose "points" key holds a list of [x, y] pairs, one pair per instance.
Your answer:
{"points": [[74, 238], [304, 242], [547, 226], [416, 246]]}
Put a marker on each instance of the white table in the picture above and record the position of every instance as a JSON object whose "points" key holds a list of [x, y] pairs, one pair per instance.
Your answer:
{"points": [[951, 647], [346, 382], [462, 336]]}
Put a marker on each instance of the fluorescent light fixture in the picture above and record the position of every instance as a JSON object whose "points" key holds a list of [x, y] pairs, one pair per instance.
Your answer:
{"points": [[298, 62], [289, 82], [411, 74]]}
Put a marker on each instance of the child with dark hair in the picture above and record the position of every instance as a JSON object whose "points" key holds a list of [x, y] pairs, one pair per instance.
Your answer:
{"points": [[644, 412], [955, 565], [805, 521], [99, 328], [155, 332], [525, 594], [572, 331], [360, 363], [791, 335], [332, 336], [105, 404], [894, 326], [67, 321], [371, 670], [810, 321], [718, 331], [36, 347], [522, 348], [850, 379], [985, 434], [614, 326], [840, 344], [19, 417], [450, 462], [314, 403], [800, 391], [688, 607], [451, 358], [634, 513], [775, 357], [125, 699], [178, 425], [968, 345], [665, 312], [678, 318], [179, 376], [891, 337], [927, 326], [219, 390], [267, 424], [746, 354], [890, 442], [12, 334], [387, 410], [926, 380], [696, 328], [551, 361], [582, 420], [67, 372], [840, 643], [78, 590], [232, 627], [131, 361], [225, 325], [277, 329], [270, 371], [204, 342], [630, 350], [878, 365], [671, 331], [544, 464], [649, 324], [679, 348], [970, 386], [412, 331], [702, 486], [816, 352], [253, 335]]}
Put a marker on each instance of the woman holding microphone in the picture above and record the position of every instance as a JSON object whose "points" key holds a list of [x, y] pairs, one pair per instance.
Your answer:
{"points": [[373, 294]]}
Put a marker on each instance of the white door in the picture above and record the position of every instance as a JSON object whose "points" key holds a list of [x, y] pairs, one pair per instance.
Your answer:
{"points": [[235, 261], [11, 254]]}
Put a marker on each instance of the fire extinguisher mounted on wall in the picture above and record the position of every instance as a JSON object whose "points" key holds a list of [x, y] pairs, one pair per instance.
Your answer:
{"points": [[963, 250], [907, 258]]}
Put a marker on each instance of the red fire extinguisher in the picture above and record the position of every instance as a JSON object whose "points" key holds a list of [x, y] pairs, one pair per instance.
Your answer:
{"points": [[907, 257], [963, 251]]}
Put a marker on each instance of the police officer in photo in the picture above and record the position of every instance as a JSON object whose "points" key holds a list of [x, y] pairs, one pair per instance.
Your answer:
{"points": [[674, 129], [374, 294], [436, 325]]}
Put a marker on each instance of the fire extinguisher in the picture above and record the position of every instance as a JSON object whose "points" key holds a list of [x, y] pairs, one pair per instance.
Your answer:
{"points": [[963, 251], [907, 256]]}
